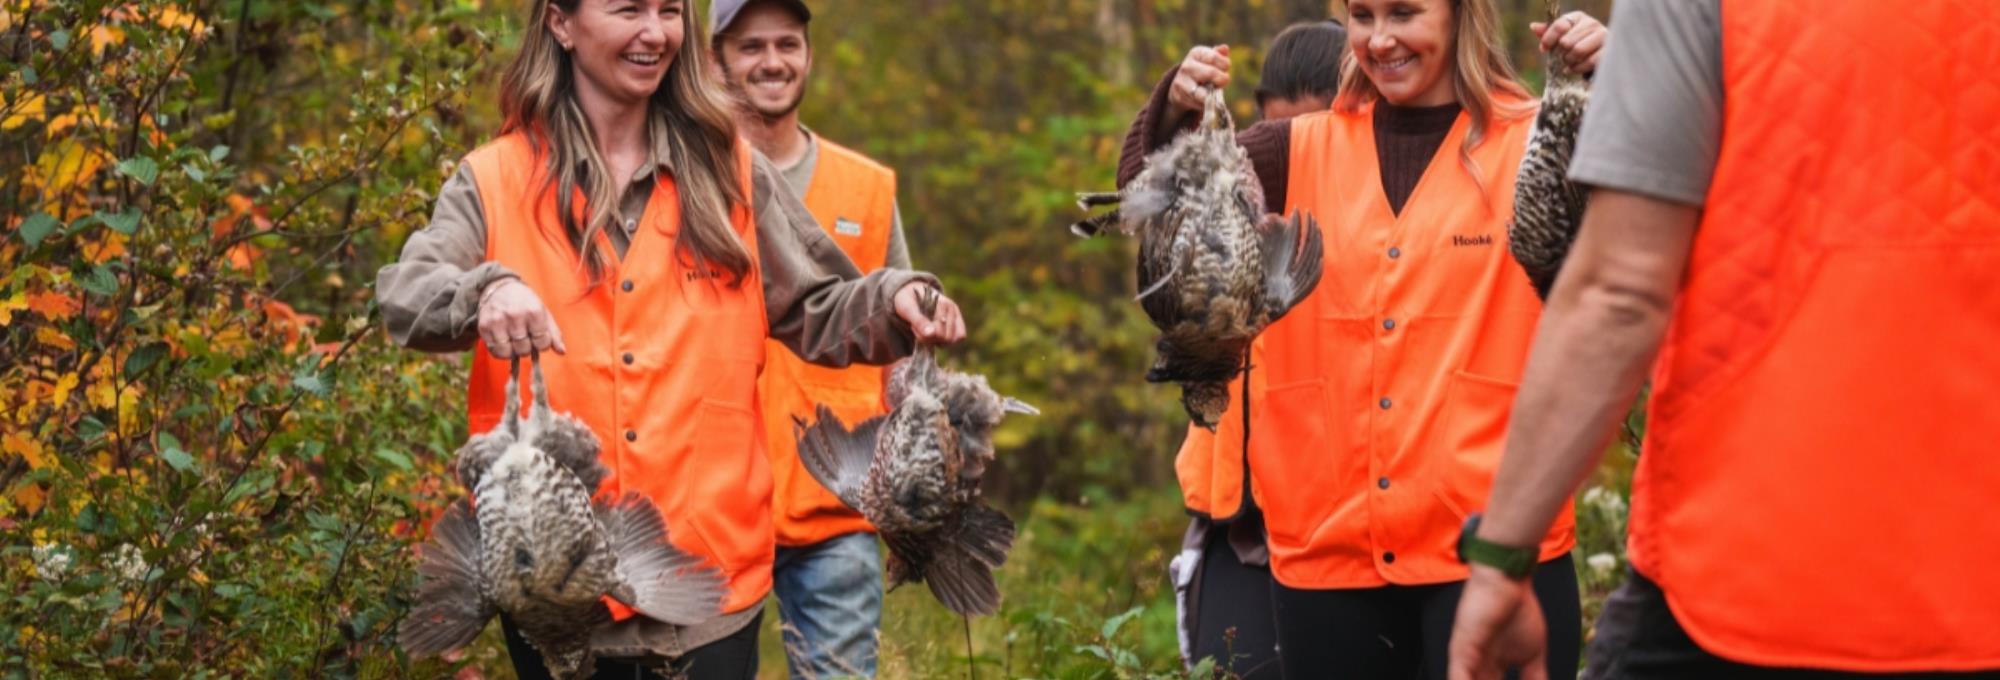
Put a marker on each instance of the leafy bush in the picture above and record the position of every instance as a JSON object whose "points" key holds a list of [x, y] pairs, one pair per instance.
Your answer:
{"points": [[212, 466]]}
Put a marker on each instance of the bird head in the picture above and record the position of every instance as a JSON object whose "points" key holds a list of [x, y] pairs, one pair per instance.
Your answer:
{"points": [[1205, 402]]}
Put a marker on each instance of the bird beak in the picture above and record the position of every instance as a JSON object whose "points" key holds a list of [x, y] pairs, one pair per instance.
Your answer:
{"points": [[1012, 405]]}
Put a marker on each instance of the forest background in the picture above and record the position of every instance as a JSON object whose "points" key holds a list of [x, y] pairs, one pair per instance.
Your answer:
{"points": [[214, 464]]}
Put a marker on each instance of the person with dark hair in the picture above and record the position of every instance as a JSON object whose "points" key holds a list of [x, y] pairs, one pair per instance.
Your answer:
{"points": [[1222, 578], [1301, 69]]}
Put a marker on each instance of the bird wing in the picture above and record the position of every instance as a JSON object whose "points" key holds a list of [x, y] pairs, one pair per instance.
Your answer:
{"points": [[1292, 258], [449, 611], [1157, 266], [835, 456], [655, 578], [960, 569]]}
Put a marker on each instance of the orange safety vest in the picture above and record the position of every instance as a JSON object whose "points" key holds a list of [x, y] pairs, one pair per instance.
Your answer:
{"points": [[854, 200], [1818, 480], [662, 361], [1378, 407]]}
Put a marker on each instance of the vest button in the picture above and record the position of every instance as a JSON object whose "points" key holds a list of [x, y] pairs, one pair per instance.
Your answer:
{"points": [[1395, 253], [1389, 558], [1385, 403], [631, 436], [1382, 483], [1388, 324], [627, 286], [628, 358]]}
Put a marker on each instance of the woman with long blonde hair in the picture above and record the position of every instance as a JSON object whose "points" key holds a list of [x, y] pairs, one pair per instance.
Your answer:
{"points": [[618, 229], [1370, 421]]}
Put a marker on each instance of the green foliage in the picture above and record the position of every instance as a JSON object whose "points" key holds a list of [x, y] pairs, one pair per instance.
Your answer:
{"points": [[212, 466]]}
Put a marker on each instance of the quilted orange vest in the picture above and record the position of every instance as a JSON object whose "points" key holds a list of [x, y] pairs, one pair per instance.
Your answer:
{"points": [[1379, 406], [662, 363], [1819, 477], [854, 200]]}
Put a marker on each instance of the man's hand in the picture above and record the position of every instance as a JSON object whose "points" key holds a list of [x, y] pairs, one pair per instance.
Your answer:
{"points": [[945, 327], [1499, 626], [513, 321]]}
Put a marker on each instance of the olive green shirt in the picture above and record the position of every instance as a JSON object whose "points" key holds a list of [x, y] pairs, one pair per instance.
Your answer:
{"points": [[818, 303]]}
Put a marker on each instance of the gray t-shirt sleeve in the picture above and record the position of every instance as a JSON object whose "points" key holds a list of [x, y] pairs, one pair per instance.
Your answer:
{"points": [[1654, 126], [899, 250]]}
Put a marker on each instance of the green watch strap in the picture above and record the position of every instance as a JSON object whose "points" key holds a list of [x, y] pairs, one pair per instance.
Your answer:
{"points": [[1515, 562]]}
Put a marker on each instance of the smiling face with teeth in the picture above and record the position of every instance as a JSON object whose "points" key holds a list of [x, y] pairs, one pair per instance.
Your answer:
{"points": [[620, 49], [1405, 48], [765, 57]]}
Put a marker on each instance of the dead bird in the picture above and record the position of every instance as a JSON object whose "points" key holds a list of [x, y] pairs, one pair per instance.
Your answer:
{"points": [[1214, 269], [915, 473], [1548, 207], [531, 543]]}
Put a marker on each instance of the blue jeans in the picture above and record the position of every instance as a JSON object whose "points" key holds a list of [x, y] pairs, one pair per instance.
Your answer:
{"points": [[830, 602]]}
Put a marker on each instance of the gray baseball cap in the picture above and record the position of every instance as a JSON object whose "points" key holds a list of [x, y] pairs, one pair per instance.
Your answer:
{"points": [[721, 12]]}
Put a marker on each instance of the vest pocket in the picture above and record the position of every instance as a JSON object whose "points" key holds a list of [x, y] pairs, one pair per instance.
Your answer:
{"points": [[1474, 432], [1288, 445], [731, 510]]}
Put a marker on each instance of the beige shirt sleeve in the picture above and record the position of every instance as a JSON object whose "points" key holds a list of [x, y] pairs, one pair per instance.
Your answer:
{"points": [[819, 304], [816, 300], [430, 296]]}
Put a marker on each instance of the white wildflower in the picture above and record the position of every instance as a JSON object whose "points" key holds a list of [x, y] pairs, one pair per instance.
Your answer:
{"points": [[52, 560], [1602, 563], [130, 564], [1604, 500]]}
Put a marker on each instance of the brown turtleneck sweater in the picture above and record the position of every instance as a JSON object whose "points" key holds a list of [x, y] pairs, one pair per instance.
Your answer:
{"points": [[1405, 140]]}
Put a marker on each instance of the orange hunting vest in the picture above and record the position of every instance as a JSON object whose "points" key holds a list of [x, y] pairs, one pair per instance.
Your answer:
{"points": [[1819, 477], [1378, 407], [662, 364], [854, 200]]}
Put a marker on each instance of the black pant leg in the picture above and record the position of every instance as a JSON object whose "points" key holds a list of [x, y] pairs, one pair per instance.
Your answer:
{"points": [[1232, 620], [730, 658], [1555, 589], [1363, 633]]}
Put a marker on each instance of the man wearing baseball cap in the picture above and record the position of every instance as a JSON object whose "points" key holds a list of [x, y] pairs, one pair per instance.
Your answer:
{"points": [[828, 571]]}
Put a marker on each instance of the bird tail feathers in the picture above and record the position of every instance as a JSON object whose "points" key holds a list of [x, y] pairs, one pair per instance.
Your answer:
{"points": [[449, 611], [960, 573]]}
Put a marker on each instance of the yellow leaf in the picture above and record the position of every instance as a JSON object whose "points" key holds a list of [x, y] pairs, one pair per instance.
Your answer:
{"points": [[28, 449], [105, 36], [67, 164], [64, 385], [101, 394], [23, 112], [173, 17], [10, 305], [48, 335]]}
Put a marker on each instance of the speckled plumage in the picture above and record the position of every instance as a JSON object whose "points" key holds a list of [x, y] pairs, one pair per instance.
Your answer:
{"points": [[915, 474], [1548, 207], [1214, 269], [532, 544]]}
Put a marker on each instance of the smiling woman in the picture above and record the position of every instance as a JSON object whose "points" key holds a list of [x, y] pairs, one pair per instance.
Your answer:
{"points": [[1379, 402], [687, 252]]}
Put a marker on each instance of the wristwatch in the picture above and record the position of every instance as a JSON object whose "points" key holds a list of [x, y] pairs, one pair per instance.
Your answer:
{"points": [[1516, 562]]}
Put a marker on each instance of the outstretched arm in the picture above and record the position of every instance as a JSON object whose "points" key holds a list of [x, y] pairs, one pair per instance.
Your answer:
{"points": [[819, 304]]}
